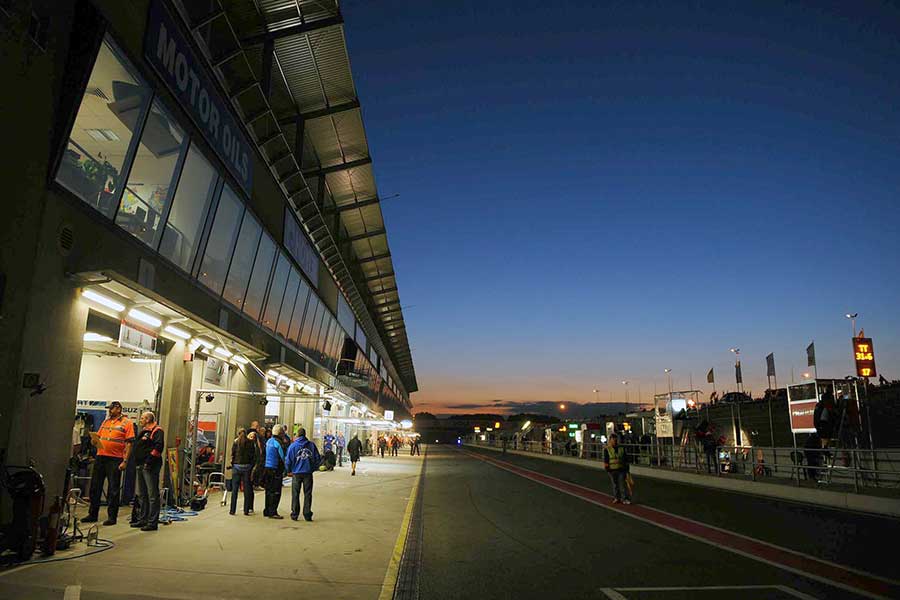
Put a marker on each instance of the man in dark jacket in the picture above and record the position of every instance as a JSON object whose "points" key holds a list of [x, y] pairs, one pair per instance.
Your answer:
{"points": [[274, 471], [354, 449], [302, 459], [148, 451]]}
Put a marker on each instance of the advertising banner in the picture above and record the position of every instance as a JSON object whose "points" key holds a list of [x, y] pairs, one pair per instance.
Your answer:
{"points": [[802, 416], [172, 56], [301, 249], [134, 337]]}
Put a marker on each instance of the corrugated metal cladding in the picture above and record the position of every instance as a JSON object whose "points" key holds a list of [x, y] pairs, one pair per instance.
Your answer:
{"points": [[310, 82]]}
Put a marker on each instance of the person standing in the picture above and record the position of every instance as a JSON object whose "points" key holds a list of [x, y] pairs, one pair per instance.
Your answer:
{"points": [[615, 461], [368, 446], [395, 445], [274, 472], [243, 457], [354, 449], [113, 442], [382, 445], [148, 451], [340, 442], [302, 459], [259, 468], [415, 446]]}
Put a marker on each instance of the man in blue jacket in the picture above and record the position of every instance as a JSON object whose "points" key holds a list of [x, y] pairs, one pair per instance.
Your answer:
{"points": [[274, 471], [301, 460]]}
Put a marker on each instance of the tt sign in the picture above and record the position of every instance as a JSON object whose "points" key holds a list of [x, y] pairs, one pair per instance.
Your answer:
{"points": [[173, 59], [864, 355]]}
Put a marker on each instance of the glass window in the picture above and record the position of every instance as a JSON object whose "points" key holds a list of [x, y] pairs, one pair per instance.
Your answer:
{"points": [[111, 111], [313, 313], [259, 280], [276, 291], [323, 334], [196, 188], [242, 260], [287, 305], [318, 328], [299, 310], [150, 182], [326, 339], [221, 241]]}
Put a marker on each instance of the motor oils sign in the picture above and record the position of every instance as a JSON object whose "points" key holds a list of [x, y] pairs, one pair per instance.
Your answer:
{"points": [[864, 355]]}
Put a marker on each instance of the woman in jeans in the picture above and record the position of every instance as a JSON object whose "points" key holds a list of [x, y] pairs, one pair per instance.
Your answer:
{"points": [[243, 457]]}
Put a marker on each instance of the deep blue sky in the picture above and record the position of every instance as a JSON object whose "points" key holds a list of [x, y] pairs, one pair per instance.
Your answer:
{"points": [[595, 191]]}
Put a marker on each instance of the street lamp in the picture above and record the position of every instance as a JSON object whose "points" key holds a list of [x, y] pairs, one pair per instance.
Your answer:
{"points": [[669, 379], [596, 395], [737, 364], [852, 317], [625, 383], [562, 407]]}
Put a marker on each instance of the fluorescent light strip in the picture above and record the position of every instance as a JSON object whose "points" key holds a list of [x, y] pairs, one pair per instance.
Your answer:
{"points": [[239, 359], [90, 336], [205, 343], [223, 352], [181, 333], [101, 299], [145, 360], [144, 317]]}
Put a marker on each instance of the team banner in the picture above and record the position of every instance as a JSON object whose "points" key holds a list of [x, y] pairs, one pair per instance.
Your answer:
{"points": [[811, 355], [710, 377]]}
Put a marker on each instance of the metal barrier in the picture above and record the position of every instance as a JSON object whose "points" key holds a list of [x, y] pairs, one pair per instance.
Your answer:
{"points": [[821, 467]]}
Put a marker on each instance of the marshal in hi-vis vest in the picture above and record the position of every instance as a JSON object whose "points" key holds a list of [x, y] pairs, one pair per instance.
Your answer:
{"points": [[616, 457]]}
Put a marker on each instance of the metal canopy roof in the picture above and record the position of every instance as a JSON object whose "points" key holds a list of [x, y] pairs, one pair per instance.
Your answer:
{"points": [[285, 66]]}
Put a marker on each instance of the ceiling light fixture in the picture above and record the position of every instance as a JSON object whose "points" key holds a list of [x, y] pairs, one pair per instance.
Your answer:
{"points": [[144, 317], [101, 299]]}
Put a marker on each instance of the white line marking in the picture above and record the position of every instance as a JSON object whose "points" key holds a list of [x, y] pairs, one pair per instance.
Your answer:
{"points": [[613, 594], [73, 592], [795, 593], [698, 538]]}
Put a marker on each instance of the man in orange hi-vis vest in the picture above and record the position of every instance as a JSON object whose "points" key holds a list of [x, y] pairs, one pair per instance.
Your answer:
{"points": [[113, 442]]}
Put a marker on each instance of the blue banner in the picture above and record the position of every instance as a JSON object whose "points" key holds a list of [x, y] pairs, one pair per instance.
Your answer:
{"points": [[299, 247], [178, 65]]}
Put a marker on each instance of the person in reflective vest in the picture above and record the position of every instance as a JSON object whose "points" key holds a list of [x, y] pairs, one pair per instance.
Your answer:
{"points": [[113, 442], [615, 461]]}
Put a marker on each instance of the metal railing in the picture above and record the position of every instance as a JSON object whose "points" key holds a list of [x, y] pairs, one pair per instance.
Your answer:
{"points": [[840, 469]]}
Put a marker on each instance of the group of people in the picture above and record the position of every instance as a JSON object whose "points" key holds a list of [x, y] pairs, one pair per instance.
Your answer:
{"points": [[393, 443], [279, 455], [116, 441]]}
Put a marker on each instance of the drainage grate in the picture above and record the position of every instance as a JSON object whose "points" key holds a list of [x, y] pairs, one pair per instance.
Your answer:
{"points": [[411, 562]]}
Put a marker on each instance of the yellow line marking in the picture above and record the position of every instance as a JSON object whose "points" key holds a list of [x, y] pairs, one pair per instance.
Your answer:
{"points": [[390, 577]]}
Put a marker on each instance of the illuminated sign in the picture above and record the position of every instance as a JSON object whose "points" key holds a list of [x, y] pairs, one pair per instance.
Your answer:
{"points": [[864, 355], [497, 425], [573, 425]]}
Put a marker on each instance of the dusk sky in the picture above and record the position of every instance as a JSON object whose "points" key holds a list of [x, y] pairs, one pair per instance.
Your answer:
{"points": [[597, 191]]}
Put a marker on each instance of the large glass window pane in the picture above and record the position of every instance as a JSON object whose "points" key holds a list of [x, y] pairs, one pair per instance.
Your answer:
{"points": [[325, 338], [193, 197], [111, 110], [313, 316], [262, 268], [150, 183], [276, 291], [242, 261], [287, 305], [299, 310], [317, 330], [221, 241]]}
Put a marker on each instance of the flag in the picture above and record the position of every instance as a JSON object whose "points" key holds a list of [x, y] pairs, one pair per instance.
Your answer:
{"points": [[710, 377], [811, 355], [770, 365], [737, 372]]}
